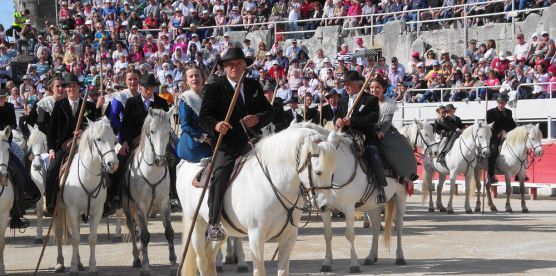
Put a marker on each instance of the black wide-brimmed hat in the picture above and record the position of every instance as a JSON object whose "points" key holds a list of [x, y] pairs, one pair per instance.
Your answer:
{"points": [[331, 93], [450, 107], [352, 76], [148, 80], [69, 79], [269, 86], [502, 98], [235, 53]]}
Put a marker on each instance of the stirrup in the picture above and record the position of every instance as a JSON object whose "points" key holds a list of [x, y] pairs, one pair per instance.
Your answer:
{"points": [[380, 196], [216, 233], [19, 223]]}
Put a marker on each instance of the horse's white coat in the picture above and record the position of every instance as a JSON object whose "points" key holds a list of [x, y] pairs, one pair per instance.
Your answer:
{"points": [[7, 197], [39, 165]]}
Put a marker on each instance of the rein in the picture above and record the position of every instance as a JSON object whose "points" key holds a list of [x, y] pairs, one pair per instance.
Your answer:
{"points": [[6, 177], [525, 164]]}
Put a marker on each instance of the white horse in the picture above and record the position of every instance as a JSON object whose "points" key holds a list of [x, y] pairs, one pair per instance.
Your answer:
{"points": [[513, 160], [462, 158], [84, 193], [6, 192], [37, 145], [19, 139], [419, 134], [352, 192], [147, 185], [264, 201]]}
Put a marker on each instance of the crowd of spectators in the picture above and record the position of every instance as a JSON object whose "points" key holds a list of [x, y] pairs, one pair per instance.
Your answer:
{"points": [[163, 37]]}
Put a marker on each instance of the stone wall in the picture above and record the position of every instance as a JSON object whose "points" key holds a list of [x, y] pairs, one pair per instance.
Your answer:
{"points": [[41, 11]]}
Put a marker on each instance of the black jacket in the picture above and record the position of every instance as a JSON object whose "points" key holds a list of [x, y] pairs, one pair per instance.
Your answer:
{"points": [[7, 116], [312, 115], [364, 117], [62, 122], [279, 115], [329, 115], [502, 120], [134, 117], [217, 96], [289, 117]]}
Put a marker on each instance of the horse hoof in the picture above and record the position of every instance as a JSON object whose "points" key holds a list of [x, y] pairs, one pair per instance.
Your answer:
{"points": [[400, 262], [431, 210], [509, 211], [137, 263], [493, 209], [144, 273], [442, 209], [38, 241], [80, 267], [477, 210], [369, 261], [219, 269], [95, 273], [117, 239], [174, 271], [59, 269], [229, 260], [525, 210], [354, 269], [74, 273], [242, 269], [366, 225], [450, 212], [468, 211], [325, 268]]}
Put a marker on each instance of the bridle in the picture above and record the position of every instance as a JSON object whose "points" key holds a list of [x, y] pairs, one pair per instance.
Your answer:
{"points": [[524, 163], [419, 134], [155, 155], [4, 178]]}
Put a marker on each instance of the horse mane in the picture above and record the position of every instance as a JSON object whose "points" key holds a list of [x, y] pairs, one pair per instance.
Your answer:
{"points": [[93, 131], [321, 130], [517, 136], [36, 136], [156, 115], [468, 132]]}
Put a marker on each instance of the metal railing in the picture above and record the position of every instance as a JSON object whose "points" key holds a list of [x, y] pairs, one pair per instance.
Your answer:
{"points": [[548, 86], [443, 89]]}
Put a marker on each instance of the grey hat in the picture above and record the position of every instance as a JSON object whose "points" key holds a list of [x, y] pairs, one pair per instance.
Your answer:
{"points": [[269, 86], [450, 107]]}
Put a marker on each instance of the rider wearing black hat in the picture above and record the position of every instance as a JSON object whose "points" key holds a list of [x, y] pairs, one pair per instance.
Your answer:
{"points": [[503, 123], [278, 113], [330, 112], [363, 120], [452, 127], [252, 108], [61, 130]]}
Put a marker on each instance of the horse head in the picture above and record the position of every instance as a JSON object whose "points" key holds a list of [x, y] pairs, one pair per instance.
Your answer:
{"points": [[156, 132], [99, 140], [38, 145], [4, 154], [534, 140], [19, 139], [481, 137]]}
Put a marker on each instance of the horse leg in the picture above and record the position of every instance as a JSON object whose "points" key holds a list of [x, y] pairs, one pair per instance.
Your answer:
{"points": [[400, 203], [508, 193], [256, 244], [428, 181], [439, 187], [452, 192], [375, 230], [212, 250], [131, 228], [59, 233], [521, 176], [118, 234], [230, 251], [489, 196], [327, 221], [73, 219], [169, 234], [219, 263], [285, 248], [350, 236], [241, 264], [93, 225], [4, 219], [145, 239], [366, 220], [200, 245], [477, 172], [40, 213], [468, 178]]}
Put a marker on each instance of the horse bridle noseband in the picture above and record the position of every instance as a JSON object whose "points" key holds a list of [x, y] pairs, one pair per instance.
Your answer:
{"points": [[155, 155]]}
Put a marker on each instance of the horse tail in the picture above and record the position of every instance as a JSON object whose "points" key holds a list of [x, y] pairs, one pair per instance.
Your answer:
{"points": [[63, 224], [426, 184], [189, 267], [389, 221], [473, 181]]}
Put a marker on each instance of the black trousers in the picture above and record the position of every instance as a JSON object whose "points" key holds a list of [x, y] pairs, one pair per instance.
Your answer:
{"points": [[22, 183], [116, 182], [52, 178], [223, 167], [494, 145], [374, 164]]}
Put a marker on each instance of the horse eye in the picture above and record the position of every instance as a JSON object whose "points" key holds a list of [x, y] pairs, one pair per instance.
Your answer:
{"points": [[318, 173], [99, 140], [152, 131]]}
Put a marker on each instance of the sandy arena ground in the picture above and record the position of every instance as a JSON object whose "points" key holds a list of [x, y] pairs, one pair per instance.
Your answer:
{"points": [[434, 243]]}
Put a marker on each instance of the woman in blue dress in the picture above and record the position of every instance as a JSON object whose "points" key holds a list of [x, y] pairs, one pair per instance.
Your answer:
{"points": [[194, 144]]}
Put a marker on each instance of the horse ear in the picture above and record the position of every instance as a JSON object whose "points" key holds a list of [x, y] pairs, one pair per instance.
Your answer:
{"points": [[170, 113], [491, 125], [30, 128], [334, 139], [7, 131], [418, 123], [150, 112], [537, 125]]}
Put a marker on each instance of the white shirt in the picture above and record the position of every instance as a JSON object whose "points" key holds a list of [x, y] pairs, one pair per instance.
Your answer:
{"points": [[521, 50], [74, 105], [351, 100], [149, 101], [234, 86]]}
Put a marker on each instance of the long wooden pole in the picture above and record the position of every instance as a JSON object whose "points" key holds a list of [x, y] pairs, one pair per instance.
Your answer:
{"points": [[209, 172], [101, 86], [359, 96], [485, 162], [63, 178]]}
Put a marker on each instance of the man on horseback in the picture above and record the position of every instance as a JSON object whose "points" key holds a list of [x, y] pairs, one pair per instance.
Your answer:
{"points": [[363, 120], [503, 123], [449, 126], [61, 130], [134, 115], [252, 109], [19, 176]]}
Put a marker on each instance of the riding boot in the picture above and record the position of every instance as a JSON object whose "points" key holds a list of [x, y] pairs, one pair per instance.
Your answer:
{"points": [[492, 162], [375, 166], [17, 179], [53, 181]]}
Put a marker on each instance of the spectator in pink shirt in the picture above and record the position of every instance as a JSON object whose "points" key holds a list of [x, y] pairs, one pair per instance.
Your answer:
{"points": [[500, 64], [353, 10]]}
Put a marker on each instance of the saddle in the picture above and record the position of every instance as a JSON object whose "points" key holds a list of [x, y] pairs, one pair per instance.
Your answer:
{"points": [[206, 163]]}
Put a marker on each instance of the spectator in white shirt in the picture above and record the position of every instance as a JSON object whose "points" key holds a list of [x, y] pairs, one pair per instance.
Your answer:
{"points": [[522, 47]]}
